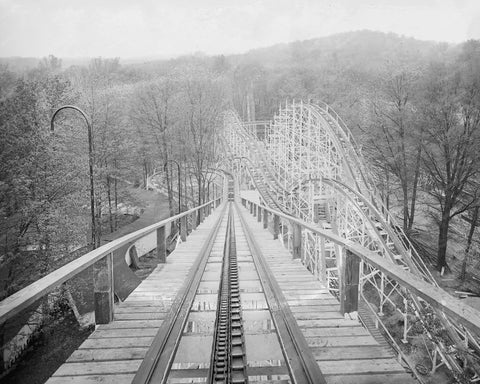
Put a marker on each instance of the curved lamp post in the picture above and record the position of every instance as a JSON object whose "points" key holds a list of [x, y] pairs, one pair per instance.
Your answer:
{"points": [[95, 240], [179, 182]]}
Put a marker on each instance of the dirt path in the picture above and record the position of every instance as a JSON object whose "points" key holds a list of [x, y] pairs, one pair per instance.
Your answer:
{"points": [[155, 209]]}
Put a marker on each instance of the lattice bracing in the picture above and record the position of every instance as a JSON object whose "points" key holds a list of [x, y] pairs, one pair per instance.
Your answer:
{"points": [[306, 163]]}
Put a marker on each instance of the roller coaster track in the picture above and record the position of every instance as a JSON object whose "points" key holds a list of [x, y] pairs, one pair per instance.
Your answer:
{"points": [[308, 158]]}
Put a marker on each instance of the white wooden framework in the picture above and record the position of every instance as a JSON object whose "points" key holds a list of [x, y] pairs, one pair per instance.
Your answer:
{"points": [[306, 163]]}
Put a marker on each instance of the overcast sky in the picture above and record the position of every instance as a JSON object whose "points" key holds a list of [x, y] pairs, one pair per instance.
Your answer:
{"points": [[153, 28]]}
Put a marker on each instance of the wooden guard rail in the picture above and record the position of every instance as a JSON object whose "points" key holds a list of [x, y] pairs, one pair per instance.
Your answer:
{"points": [[348, 272], [102, 261]]}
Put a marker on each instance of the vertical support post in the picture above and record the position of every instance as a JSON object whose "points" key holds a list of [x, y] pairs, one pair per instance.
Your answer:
{"points": [[259, 214], [251, 208], [350, 278], [276, 226], [244, 202], [254, 210], [297, 241], [183, 228], [322, 263], [382, 294], [161, 245], [405, 322], [194, 219], [265, 219], [434, 360], [103, 289], [201, 213]]}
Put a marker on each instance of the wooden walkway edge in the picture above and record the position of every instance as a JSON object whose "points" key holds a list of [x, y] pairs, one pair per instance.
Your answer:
{"points": [[113, 352], [345, 351]]}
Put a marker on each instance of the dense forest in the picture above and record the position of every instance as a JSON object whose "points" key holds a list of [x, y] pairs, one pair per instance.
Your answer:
{"points": [[413, 105]]}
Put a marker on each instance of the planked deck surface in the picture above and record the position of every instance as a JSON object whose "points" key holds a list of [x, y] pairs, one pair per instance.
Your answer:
{"points": [[113, 352], [345, 351]]}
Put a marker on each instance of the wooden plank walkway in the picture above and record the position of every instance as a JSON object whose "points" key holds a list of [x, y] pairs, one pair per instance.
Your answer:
{"points": [[345, 351], [113, 352]]}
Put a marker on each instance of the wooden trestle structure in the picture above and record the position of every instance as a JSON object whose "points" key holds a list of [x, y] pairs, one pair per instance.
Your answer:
{"points": [[344, 350]]}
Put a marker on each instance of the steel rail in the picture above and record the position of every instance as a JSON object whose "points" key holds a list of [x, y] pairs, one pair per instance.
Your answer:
{"points": [[300, 361], [159, 358]]}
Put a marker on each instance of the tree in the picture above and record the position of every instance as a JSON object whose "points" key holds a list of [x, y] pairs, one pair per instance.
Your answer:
{"points": [[452, 137], [201, 103], [34, 184], [151, 111], [396, 136], [246, 82]]}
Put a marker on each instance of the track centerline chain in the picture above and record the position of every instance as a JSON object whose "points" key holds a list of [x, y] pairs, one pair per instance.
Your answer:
{"points": [[228, 361]]}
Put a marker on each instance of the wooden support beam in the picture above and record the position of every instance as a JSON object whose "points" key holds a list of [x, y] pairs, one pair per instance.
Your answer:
{"points": [[259, 214], [194, 219], [161, 245], [183, 228], [349, 293], [322, 262], [254, 210], [276, 226], [251, 208], [201, 215], [297, 241], [135, 261], [103, 289], [265, 219]]}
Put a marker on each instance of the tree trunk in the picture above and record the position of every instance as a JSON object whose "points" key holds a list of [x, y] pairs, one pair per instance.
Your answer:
{"points": [[2, 341], [199, 182], [169, 190], [406, 216], [387, 190], [145, 174], [109, 196], [99, 223], [415, 187], [115, 191], [473, 224], [443, 238]]}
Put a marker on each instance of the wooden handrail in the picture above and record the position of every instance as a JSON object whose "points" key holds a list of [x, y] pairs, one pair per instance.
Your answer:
{"points": [[435, 296], [20, 300]]}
